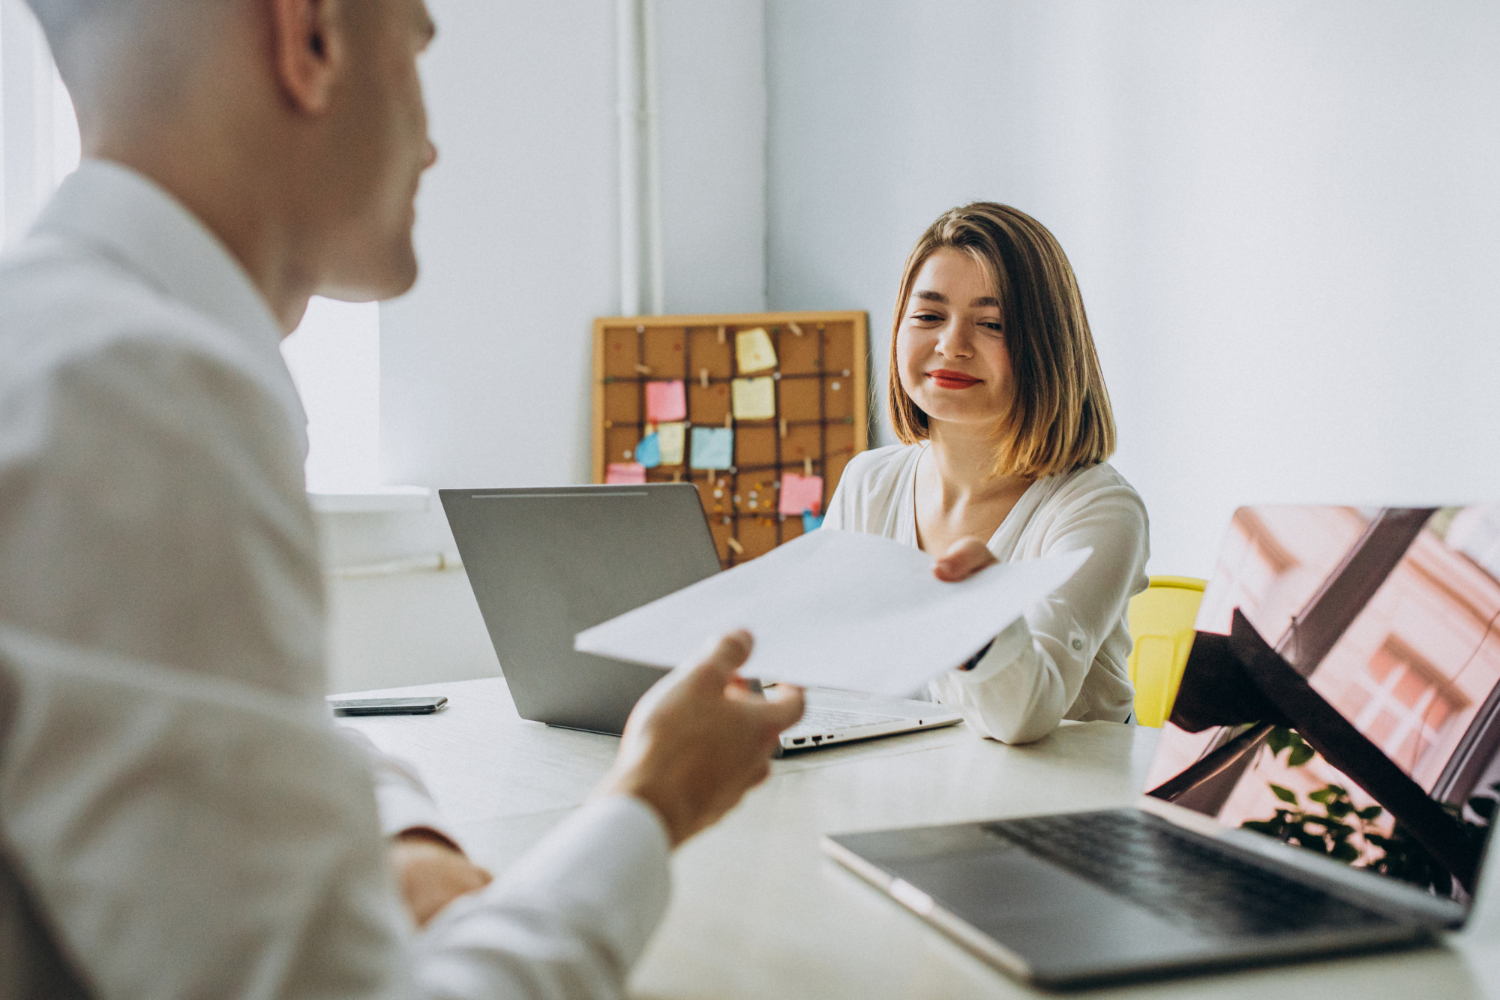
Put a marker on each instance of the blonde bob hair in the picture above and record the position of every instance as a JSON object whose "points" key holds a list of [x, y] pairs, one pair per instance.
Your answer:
{"points": [[1059, 419]]}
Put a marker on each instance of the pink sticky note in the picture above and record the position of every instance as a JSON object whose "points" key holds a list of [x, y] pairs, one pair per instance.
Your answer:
{"points": [[625, 473], [800, 493], [665, 401]]}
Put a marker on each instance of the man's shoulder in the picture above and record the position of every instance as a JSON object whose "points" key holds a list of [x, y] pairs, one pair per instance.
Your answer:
{"points": [[62, 305]]}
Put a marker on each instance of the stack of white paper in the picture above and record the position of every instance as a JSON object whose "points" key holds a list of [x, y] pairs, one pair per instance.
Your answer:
{"points": [[837, 609]]}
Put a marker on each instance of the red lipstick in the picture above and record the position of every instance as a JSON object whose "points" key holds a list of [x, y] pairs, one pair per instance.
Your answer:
{"points": [[943, 378]]}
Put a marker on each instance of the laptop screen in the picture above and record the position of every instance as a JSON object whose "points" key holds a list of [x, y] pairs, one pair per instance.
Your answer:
{"points": [[1392, 617]]}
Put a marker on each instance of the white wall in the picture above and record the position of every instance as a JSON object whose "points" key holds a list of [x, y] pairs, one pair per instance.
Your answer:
{"points": [[1282, 215], [484, 368], [712, 111], [485, 365]]}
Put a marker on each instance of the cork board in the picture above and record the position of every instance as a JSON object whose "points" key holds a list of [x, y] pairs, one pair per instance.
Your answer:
{"points": [[809, 413]]}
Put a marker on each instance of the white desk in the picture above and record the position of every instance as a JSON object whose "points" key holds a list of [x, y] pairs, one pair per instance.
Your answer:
{"points": [[758, 911]]}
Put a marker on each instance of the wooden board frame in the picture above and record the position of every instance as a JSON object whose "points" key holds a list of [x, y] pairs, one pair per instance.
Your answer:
{"points": [[822, 409]]}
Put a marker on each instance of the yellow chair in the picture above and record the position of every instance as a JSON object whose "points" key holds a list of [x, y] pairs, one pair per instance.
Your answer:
{"points": [[1161, 623]]}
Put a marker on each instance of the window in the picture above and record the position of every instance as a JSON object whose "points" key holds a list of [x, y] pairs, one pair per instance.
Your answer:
{"points": [[1401, 703], [334, 356]]}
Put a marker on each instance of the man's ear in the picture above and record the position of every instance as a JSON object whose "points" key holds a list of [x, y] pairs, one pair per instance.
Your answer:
{"points": [[307, 44]]}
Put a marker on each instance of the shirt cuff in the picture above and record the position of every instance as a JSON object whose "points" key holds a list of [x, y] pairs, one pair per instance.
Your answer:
{"points": [[1009, 645], [401, 798], [604, 873]]}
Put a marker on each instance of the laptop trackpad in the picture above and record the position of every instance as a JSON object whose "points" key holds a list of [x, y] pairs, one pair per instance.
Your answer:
{"points": [[1061, 925]]}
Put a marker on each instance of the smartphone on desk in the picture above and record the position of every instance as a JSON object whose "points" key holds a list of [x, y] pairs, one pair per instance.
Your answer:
{"points": [[386, 706]]}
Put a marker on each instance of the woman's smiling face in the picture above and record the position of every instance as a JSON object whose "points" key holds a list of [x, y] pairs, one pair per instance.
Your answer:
{"points": [[950, 348]]}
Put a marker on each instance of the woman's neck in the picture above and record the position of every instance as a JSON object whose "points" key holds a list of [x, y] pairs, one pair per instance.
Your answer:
{"points": [[963, 459], [957, 496]]}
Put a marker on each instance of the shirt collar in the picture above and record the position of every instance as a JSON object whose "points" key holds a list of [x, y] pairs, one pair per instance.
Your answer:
{"points": [[137, 223]]}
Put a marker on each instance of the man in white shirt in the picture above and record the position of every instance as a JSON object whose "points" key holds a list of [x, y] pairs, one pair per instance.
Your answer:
{"points": [[177, 816]]}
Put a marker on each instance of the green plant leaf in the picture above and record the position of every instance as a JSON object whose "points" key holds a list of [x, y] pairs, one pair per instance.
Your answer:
{"points": [[1370, 812], [1346, 852], [1279, 739], [1284, 794], [1321, 795], [1301, 754]]}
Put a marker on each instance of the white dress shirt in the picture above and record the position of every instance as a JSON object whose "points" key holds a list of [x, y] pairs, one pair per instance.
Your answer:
{"points": [[178, 815], [1066, 658]]}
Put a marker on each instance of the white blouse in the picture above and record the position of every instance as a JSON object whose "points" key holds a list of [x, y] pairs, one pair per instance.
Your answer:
{"points": [[1066, 658]]}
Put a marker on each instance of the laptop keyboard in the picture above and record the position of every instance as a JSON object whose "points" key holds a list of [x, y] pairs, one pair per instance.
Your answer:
{"points": [[826, 720], [1181, 878]]}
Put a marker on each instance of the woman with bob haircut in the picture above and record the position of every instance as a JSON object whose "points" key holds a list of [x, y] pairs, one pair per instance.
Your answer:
{"points": [[997, 395]]}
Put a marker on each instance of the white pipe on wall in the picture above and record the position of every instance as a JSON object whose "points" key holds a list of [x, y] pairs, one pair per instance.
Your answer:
{"points": [[650, 90], [640, 212]]}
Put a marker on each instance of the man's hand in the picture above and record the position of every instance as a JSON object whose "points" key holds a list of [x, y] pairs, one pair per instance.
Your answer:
{"points": [[963, 559], [432, 873], [700, 739]]}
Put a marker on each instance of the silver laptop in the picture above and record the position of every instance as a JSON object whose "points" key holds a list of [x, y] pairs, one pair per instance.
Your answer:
{"points": [[545, 564], [1327, 781]]}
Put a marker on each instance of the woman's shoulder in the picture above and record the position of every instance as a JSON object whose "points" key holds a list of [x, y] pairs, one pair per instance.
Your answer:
{"points": [[879, 469], [867, 498], [1096, 485]]}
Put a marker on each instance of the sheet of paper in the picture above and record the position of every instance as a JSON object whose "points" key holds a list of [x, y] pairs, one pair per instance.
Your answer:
{"points": [[754, 398], [625, 473], [713, 448], [753, 351], [648, 452], [665, 401], [800, 494], [837, 609], [670, 439]]}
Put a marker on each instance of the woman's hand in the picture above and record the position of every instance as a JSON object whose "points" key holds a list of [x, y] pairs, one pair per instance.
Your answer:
{"points": [[963, 559]]}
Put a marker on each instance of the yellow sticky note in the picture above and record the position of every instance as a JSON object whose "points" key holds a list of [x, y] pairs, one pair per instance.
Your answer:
{"points": [[754, 398], [753, 350], [671, 438]]}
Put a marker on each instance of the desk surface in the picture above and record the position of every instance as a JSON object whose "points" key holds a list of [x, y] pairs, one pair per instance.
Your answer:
{"points": [[758, 911]]}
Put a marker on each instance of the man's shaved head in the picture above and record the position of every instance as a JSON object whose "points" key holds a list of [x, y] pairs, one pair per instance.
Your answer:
{"points": [[137, 52], [294, 129]]}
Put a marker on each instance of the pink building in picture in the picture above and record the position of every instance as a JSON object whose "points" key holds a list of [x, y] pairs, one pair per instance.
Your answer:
{"points": [[1414, 664]]}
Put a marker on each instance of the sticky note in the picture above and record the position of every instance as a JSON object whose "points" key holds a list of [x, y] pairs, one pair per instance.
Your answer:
{"points": [[800, 494], [753, 350], [811, 522], [648, 452], [670, 439], [625, 472], [665, 401], [713, 448], [754, 398]]}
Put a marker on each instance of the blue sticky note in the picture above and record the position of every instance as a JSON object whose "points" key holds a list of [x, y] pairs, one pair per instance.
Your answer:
{"points": [[811, 521], [712, 448], [648, 452]]}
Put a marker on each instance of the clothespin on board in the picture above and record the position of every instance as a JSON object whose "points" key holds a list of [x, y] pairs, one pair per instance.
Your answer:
{"points": [[703, 377], [796, 330], [722, 333], [806, 467], [708, 477], [783, 428], [643, 369], [734, 543], [729, 420], [676, 475]]}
